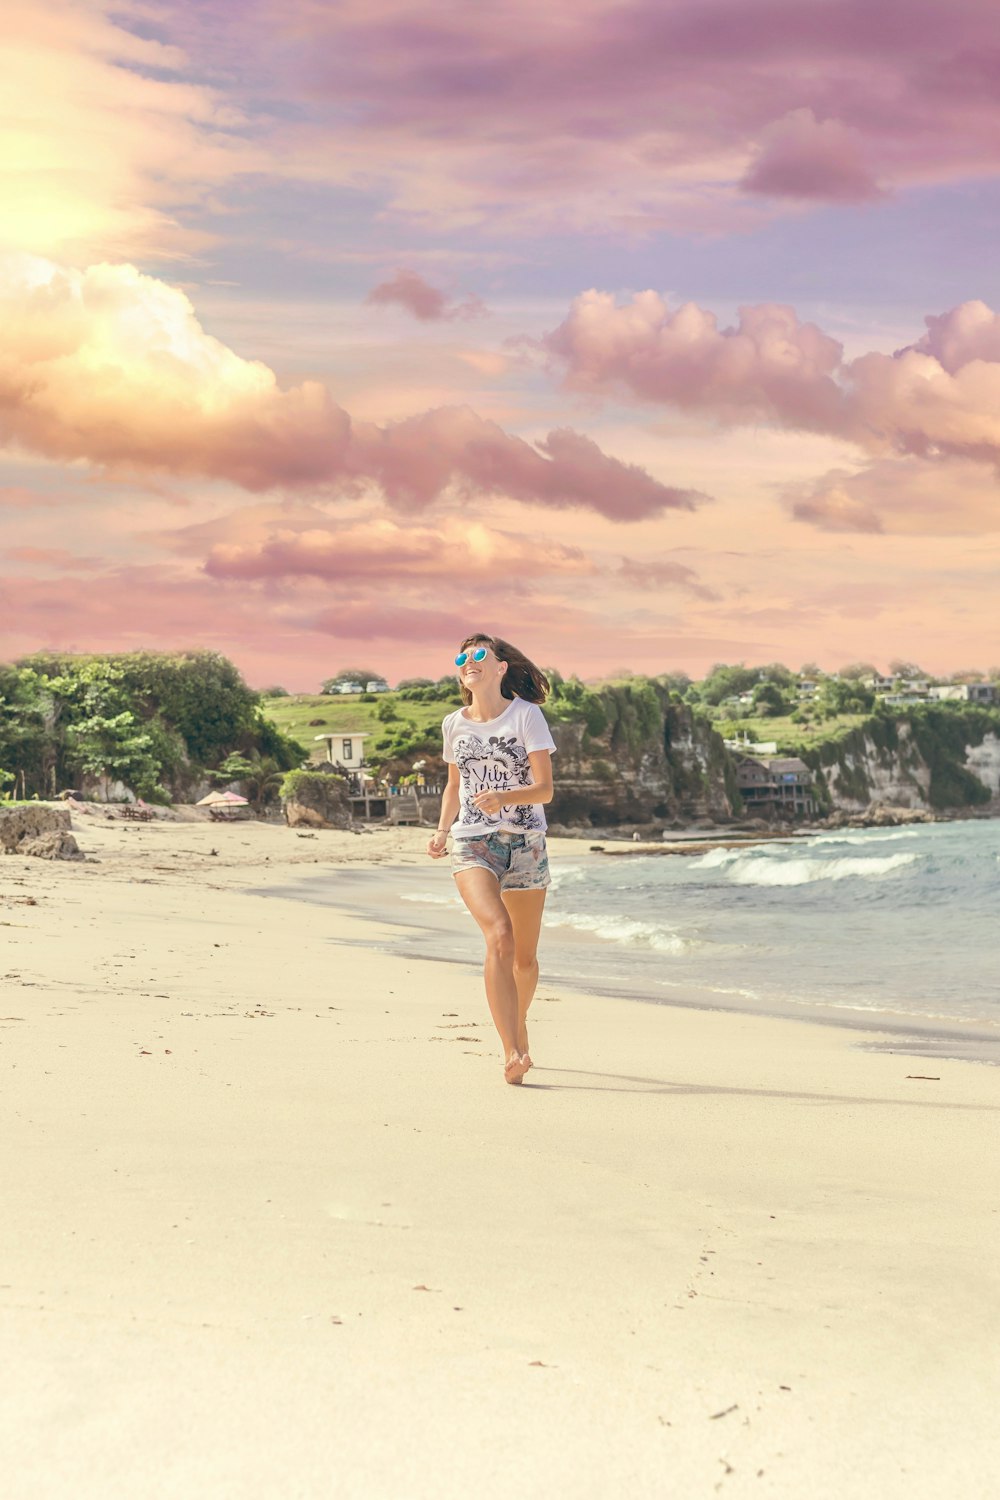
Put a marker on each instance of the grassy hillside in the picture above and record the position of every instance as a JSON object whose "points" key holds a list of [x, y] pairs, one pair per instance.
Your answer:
{"points": [[791, 737], [349, 715]]}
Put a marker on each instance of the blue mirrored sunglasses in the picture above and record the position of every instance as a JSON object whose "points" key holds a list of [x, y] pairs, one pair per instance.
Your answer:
{"points": [[480, 654]]}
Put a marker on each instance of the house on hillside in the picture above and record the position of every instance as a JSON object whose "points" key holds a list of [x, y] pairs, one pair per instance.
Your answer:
{"points": [[964, 692], [781, 784], [346, 751]]}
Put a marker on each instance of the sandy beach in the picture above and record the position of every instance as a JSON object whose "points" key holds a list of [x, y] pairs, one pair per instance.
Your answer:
{"points": [[273, 1225]]}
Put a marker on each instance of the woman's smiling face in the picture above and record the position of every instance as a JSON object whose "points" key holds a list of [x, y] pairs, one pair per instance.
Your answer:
{"points": [[480, 673]]}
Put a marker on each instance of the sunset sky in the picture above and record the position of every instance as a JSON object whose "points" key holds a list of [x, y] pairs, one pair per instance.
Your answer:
{"points": [[645, 333]]}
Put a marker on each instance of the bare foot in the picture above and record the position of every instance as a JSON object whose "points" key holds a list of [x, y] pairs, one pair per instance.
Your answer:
{"points": [[526, 1060], [515, 1067]]}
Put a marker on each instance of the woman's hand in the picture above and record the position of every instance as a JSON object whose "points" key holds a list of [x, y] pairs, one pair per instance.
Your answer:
{"points": [[437, 845], [489, 802]]}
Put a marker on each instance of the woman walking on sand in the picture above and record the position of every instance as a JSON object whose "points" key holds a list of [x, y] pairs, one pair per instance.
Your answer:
{"points": [[498, 748]]}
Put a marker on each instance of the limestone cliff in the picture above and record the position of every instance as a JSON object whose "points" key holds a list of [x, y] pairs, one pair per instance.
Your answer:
{"points": [[634, 753], [942, 758], [631, 754]]}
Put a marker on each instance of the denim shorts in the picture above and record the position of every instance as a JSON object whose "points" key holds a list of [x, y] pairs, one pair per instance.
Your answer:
{"points": [[518, 860]]}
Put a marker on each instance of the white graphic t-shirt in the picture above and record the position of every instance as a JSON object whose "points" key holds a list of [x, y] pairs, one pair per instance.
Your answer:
{"points": [[493, 757]]}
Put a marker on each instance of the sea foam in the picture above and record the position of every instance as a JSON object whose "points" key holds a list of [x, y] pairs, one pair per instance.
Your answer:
{"points": [[789, 872], [620, 930]]}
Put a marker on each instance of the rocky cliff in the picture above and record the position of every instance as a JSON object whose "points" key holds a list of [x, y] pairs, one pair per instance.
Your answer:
{"points": [[940, 758], [632, 755], [316, 799], [38, 829]]}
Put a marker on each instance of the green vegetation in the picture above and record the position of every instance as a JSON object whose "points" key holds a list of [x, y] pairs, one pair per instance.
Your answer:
{"points": [[259, 775], [296, 782], [162, 723], [403, 725], [942, 734], [157, 723], [792, 734]]}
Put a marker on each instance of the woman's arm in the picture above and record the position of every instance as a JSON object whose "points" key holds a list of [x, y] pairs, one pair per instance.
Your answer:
{"points": [[540, 789]]}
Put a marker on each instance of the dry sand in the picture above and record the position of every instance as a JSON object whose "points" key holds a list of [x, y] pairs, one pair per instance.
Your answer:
{"points": [[273, 1225]]}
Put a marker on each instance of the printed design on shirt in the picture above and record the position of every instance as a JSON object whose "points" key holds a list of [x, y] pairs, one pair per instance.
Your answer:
{"points": [[496, 766]]}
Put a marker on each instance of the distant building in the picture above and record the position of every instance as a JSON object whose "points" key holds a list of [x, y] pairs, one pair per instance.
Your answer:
{"points": [[377, 685], [345, 750], [782, 784], [964, 692], [751, 747]]}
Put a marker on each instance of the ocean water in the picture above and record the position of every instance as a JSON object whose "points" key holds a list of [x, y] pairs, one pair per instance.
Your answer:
{"points": [[896, 928]]}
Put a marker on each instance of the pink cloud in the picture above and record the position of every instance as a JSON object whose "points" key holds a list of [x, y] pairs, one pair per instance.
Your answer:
{"points": [[602, 114], [54, 557], [908, 496], [413, 461], [769, 367], [427, 303], [802, 157], [656, 574], [940, 395], [112, 366], [832, 507], [585, 115], [536, 625], [385, 552]]}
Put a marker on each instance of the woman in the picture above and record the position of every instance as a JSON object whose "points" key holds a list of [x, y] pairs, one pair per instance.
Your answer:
{"points": [[498, 748]]}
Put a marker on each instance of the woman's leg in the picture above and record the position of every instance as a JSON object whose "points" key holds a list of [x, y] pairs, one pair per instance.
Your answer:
{"points": [[525, 909], [480, 890]]}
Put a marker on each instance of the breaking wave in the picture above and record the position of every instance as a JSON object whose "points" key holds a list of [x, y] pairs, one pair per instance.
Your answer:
{"points": [[620, 930], [806, 871]]}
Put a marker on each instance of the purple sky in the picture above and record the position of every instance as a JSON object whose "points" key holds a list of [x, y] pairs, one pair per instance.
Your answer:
{"points": [[645, 335]]}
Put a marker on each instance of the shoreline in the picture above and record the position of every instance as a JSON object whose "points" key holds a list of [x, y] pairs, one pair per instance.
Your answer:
{"points": [[914, 1034]]}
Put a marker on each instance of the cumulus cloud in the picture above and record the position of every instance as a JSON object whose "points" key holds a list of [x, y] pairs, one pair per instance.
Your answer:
{"points": [[940, 395], [802, 157], [112, 366], [427, 303], [768, 367]]}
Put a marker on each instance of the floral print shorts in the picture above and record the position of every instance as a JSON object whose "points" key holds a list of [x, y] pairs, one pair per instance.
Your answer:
{"points": [[519, 861]]}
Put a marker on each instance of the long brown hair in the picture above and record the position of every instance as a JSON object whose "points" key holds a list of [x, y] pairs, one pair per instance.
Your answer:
{"points": [[522, 678]]}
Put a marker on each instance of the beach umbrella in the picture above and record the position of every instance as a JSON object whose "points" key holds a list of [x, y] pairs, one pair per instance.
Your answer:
{"points": [[234, 800], [212, 800]]}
